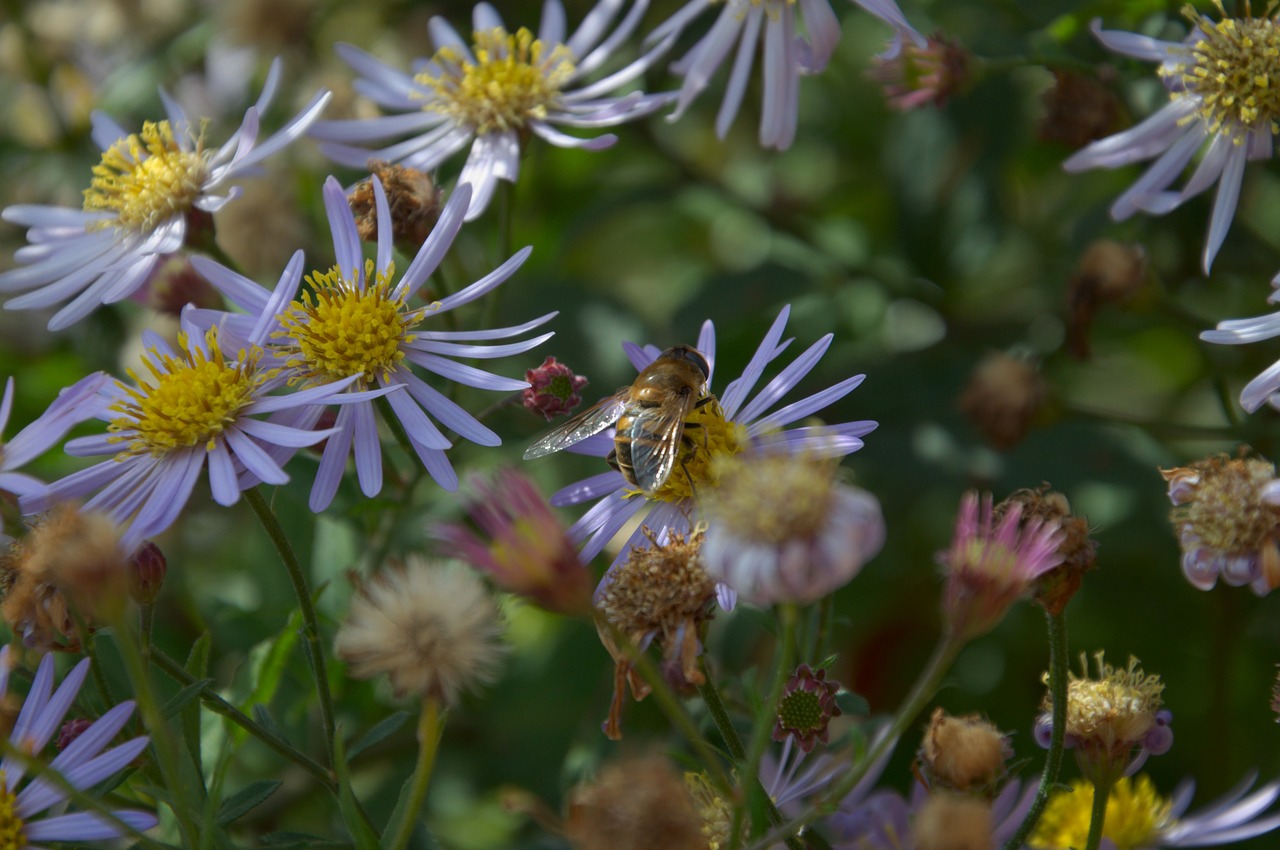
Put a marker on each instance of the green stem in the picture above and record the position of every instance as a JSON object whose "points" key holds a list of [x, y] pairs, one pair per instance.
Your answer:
{"points": [[1098, 816], [1058, 702], [311, 625], [430, 728], [926, 685]]}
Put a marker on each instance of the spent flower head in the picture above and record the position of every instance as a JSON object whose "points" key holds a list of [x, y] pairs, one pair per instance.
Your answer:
{"points": [[153, 192], [918, 75], [1220, 80], [1055, 588], [1227, 518], [432, 628], [636, 803], [963, 753], [806, 707], [412, 198]]}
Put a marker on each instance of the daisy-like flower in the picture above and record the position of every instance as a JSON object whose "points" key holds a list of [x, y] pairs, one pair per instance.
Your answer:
{"points": [[1265, 388], [991, 564], [493, 94], [191, 407], [728, 426], [1221, 88], [805, 710], [50, 427], [152, 192], [787, 54], [356, 325], [1228, 522], [83, 763], [1138, 818]]}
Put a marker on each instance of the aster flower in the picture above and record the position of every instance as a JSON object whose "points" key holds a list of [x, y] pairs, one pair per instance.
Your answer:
{"points": [[991, 564], [149, 196], [1138, 818], [51, 426], [356, 325], [728, 426], [783, 530], [916, 75], [1265, 388], [1219, 81], [83, 763], [522, 546], [194, 406], [494, 94], [806, 707], [787, 54], [432, 628], [1227, 520]]}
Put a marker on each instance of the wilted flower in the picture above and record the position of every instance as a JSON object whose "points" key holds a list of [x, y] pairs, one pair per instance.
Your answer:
{"points": [[1226, 518], [412, 197], [786, 54], [1077, 109], [1140, 819], [1219, 81], [522, 546], [638, 803], [553, 389], [1002, 398], [963, 753], [1108, 272], [991, 564], [659, 594], [919, 75], [806, 707], [781, 529], [1114, 722], [70, 407], [355, 323], [150, 194], [432, 628], [493, 95], [84, 763]]}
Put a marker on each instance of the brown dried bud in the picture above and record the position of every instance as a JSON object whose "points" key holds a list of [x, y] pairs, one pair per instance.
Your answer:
{"points": [[1002, 398], [71, 730], [1054, 589], [953, 822], [1077, 110], [963, 753], [1109, 271], [412, 197], [148, 567], [634, 804]]}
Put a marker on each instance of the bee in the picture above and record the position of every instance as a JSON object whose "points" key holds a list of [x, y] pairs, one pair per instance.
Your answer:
{"points": [[650, 415]]}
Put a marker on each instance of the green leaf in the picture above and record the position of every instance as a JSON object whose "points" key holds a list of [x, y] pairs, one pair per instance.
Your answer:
{"points": [[182, 698], [197, 665], [851, 703], [245, 800], [378, 733], [361, 833]]}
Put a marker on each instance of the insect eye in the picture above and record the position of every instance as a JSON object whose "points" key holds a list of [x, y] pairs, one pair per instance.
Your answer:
{"points": [[694, 356]]}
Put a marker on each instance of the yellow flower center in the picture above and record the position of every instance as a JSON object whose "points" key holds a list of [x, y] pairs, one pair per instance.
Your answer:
{"points": [[191, 399], [1115, 710], [13, 833], [714, 813], [709, 436], [339, 329], [1234, 69], [514, 78], [1226, 511], [772, 498], [1135, 812], [146, 178]]}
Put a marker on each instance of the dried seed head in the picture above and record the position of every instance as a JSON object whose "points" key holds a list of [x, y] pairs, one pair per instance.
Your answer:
{"points": [[963, 753], [1002, 398], [635, 804]]}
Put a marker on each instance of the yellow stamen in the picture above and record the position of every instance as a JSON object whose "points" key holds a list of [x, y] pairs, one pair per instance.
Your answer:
{"points": [[194, 398], [13, 833], [514, 78], [1135, 813], [1115, 710], [147, 178], [710, 436], [343, 330]]}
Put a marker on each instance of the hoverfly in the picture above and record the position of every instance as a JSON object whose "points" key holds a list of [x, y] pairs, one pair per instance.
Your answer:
{"points": [[650, 414]]}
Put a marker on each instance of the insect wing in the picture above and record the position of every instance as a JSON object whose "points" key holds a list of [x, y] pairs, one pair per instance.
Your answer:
{"points": [[655, 442], [586, 424]]}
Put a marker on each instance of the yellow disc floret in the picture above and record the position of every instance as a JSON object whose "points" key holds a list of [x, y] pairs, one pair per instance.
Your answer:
{"points": [[514, 78], [708, 436], [13, 833], [1135, 813], [1234, 70], [1115, 710], [341, 329], [146, 178], [189, 399]]}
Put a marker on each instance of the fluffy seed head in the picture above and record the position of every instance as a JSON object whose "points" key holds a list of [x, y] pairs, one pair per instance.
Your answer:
{"points": [[952, 822], [635, 804], [963, 753]]}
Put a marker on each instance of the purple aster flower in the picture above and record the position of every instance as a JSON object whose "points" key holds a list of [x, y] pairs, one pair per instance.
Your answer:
{"points": [[1138, 818], [192, 407], [152, 191], [355, 324], [730, 425], [51, 426], [493, 94], [83, 763], [1221, 91], [787, 54], [806, 707]]}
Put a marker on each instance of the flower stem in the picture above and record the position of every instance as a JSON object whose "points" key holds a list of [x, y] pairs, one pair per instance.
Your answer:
{"points": [[1058, 707], [311, 625], [1098, 817], [430, 728]]}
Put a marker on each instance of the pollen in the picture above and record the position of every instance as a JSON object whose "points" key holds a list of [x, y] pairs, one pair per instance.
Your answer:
{"points": [[147, 178], [1234, 70], [514, 79], [708, 437], [188, 400], [1135, 813], [341, 329], [13, 832], [1114, 711]]}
